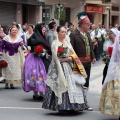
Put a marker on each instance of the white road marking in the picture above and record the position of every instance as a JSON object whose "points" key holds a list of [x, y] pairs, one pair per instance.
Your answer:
{"points": [[21, 108]]}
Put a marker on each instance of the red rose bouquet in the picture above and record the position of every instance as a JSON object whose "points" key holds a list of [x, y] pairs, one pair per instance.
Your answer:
{"points": [[40, 51], [107, 55], [61, 52], [110, 49], [3, 63]]}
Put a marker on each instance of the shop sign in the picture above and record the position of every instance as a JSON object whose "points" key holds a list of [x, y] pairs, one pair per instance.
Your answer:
{"points": [[94, 9]]}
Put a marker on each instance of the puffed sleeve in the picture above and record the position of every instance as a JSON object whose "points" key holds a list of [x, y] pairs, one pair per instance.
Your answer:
{"points": [[2, 44]]}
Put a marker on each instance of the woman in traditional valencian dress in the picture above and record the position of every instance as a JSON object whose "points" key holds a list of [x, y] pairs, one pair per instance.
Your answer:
{"points": [[11, 49], [108, 46], [64, 92], [36, 64], [2, 35], [28, 34], [30, 31], [110, 96]]}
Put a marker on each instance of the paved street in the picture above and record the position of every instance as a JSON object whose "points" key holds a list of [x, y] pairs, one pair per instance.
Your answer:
{"points": [[17, 105]]}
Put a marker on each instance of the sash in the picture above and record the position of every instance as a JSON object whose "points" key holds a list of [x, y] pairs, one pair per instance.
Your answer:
{"points": [[77, 67]]}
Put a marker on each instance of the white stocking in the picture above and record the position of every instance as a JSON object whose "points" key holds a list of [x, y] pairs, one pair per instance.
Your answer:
{"points": [[85, 89]]}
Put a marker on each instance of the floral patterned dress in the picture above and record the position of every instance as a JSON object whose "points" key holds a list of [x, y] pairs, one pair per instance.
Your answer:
{"points": [[110, 95], [34, 74]]}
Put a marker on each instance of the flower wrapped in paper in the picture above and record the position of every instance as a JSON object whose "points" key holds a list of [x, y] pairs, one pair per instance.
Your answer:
{"points": [[107, 55], [40, 51], [61, 53]]}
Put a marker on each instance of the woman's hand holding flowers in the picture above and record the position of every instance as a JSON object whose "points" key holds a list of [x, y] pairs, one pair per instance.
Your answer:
{"points": [[107, 57], [68, 59]]}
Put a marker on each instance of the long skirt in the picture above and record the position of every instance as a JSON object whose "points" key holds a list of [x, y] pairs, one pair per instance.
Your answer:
{"points": [[34, 74], [110, 98], [51, 100]]}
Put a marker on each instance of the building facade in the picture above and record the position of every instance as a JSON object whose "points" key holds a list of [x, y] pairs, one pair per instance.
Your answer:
{"points": [[99, 11], [33, 11], [106, 12], [21, 11], [72, 8], [115, 12]]}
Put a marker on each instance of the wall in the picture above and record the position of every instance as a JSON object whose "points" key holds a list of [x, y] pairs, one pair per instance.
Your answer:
{"points": [[32, 15], [75, 6], [19, 13], [115, 18]]}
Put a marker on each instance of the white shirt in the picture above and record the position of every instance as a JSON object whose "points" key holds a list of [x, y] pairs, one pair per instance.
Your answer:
{"points": [[106, 45], [102, 31], [92, 34]]}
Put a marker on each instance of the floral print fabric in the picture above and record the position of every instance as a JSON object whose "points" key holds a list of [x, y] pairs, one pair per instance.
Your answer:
{"points": [[34, 75], [110, 98]]}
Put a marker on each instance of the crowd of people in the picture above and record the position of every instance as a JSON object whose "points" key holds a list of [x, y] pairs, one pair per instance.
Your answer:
{"points": [[55, 63]]}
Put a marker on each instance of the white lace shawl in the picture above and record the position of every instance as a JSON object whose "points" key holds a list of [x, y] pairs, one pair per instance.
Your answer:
{"points": [[56, 79]]}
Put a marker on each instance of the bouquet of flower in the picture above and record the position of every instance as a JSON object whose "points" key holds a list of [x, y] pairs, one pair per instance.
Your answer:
{"points": [[40, 51], [3, 63], [61, 51], [106, 55], [110, 49]]}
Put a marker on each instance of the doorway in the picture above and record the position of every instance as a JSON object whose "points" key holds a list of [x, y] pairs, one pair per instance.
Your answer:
{"points": [[115, 20], [24, 13], [104, 20]]}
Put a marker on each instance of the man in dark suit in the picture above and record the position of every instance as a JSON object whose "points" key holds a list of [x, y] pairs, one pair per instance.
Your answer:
{"points": [[81, 42]]}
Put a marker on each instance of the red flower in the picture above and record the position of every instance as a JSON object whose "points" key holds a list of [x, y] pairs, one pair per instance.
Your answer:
{"points": [[60, 50], [38, 49], [3, 63], [110, 49]]}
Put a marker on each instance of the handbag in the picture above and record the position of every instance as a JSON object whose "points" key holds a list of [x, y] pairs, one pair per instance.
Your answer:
{"points": [[79, 79]]}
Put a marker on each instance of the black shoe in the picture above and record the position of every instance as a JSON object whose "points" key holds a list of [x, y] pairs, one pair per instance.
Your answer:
{"points": [[12, 86], [40, 98], [6, 86], [36, 97]]}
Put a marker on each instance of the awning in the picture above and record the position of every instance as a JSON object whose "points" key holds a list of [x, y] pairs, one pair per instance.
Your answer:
{"points": [[29, 2]]}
